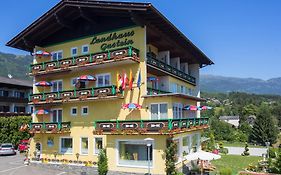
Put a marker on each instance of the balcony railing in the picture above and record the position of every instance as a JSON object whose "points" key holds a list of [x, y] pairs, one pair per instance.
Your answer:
{"points": [[50, 127], [128, 53], [152, 91], [72, 95], [165, 126], [171, 70]]}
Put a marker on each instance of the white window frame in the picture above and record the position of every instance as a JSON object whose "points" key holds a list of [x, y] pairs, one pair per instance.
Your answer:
{"points": [[159, 110], [82, 111], [96, 151], [71, 51], [52, 87], [179, 110], [71, 112], [99, 75], [134, 166], [81, 146], [53, 109], [60, 141], [56, 52], [82, 50]]}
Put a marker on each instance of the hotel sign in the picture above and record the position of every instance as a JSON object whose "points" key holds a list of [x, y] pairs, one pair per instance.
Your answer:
{"points": [[114, 40]]}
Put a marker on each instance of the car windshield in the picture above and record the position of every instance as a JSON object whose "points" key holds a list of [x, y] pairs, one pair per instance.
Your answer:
{"points": [[6, 146]]}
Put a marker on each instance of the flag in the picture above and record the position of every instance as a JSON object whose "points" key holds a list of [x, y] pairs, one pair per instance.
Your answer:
{"points": [[118, 81], [139, 79], [131, 80], [124, 80]]}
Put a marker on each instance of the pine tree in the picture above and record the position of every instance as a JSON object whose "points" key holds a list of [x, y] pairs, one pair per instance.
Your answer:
{"points": [[102, 163], [264, 129]]}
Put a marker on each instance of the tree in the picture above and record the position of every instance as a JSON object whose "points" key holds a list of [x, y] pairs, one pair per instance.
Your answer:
{"points": [[102, 163], [264, 129], [171, 157]]}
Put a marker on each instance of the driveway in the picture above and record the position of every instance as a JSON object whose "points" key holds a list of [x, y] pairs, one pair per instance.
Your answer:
{"points": [[13, 165], [252, 151]]}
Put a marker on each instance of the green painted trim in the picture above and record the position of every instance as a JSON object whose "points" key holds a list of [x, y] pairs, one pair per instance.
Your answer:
{"points": [[160, 120], [88, 36]]}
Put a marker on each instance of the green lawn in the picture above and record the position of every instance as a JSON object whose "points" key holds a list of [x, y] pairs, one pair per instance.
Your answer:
{"points": [[235, 162], [240, 144]]}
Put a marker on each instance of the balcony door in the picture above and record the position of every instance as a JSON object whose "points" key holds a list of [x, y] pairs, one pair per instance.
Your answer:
{"points": [[57, 86], [56, 115], [159, 111]]}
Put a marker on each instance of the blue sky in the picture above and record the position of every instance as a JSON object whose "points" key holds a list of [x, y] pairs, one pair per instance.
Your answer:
{"points": [[242, 37]]}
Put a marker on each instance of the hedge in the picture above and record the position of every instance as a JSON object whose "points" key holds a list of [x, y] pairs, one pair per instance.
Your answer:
{"points": [[9, 129]]}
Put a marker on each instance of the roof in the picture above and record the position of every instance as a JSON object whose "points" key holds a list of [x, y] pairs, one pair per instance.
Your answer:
{"points": [[66, 12], [229, 117], [16, 82]]}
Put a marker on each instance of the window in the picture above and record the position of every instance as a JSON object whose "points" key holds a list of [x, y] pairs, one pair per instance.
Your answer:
{"points": [[177, 110], [4, 93], [85, 49], [73, 111], [18, 94], [85, 110], [103, 80], [186, 145], [174, 87], [97, 145], [134, 153], [57, 86], [73, 81], [195, 142], [84, 146], [66, 145], [159, 111], [56, 115], [57, 55], [74, 51], [19, 109], [4, 108]]}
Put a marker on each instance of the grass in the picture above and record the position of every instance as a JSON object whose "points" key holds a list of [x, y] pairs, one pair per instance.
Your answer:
{"points": [[235, 162], [240, 144]]}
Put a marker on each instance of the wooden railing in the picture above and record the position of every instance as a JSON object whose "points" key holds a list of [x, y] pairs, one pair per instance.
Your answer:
{"points": [[52, 127], [69, 95], [85, 60], [169, 69], [164, 126]]}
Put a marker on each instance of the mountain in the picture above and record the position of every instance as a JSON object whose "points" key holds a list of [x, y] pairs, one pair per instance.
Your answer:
{"points": [[213, 83], [16, 65]]}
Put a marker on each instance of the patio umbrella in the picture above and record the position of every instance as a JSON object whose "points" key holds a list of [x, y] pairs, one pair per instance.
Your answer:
{"points": [[131, 106], [202, 155], [190, 108], [43, 83], [41, 112], [86, 78], [205, 107], [42, 53]]}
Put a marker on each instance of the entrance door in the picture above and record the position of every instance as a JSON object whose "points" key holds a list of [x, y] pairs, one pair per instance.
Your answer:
{"points": [[38, 150]]}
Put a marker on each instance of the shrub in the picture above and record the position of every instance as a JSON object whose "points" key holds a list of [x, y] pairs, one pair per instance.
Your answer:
{"points": [[171, 157], [272, 153], [246, 152], [225, 171], [102, 163], [224, 150]]}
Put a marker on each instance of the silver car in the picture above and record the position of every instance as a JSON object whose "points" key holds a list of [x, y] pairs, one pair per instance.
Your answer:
{"points": [[7, 149]]}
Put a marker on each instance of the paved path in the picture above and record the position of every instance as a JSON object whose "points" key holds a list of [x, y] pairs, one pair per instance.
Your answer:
{"points": [[240, 150], [13, 165]]}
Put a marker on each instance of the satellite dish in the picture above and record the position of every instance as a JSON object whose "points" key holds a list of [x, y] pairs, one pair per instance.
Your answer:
{"points": [[10, 76]]}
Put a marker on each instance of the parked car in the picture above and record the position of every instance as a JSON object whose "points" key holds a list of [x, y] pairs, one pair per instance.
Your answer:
{"points": [[23, 146], [7, 149]]}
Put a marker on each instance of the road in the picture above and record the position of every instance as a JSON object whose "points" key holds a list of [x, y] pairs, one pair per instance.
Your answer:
{"points": [[13, 165], [252, 151]]}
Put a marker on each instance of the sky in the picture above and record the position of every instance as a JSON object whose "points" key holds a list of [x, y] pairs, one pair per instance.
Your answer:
{"points": [[242, 37]]}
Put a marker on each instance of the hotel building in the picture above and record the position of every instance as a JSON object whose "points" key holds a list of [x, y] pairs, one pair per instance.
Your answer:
{"points": [[145, 70]]}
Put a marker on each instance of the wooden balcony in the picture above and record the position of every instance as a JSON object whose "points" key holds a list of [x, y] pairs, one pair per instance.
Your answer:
{"points": [[51, 127], [75, 95], [160, 68], [123, 55], [165, 126]]}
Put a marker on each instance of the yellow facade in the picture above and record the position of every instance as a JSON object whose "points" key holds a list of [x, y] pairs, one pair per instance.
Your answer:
{"points": [[82, 126]]}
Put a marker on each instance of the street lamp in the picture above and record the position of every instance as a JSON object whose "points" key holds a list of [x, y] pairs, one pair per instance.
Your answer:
{"points": [[267, 145], [149, 142]]}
